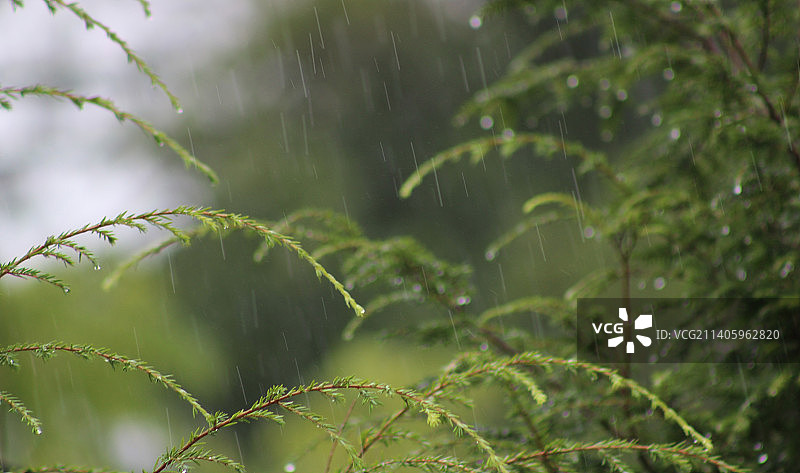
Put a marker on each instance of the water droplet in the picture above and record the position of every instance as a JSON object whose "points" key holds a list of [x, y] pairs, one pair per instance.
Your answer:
{"points": [[674, 134], [676, 7], [66, 290], [475, 22], [656, 119], [604, 112], [484, 346], [38, 430], [397, 281], [605, 84], [463, 300], [572, 81], [184, 469], [289, 467], [725, 230], [416, 288], [490, 255], [97, 267], [561, 13], [487, 122], [758, 446], [762, 458], [787, 268], [622, 95], [668, 74], [642, 285], [508, 133], [737, 188], [179, 110], [588, 231], [349, 286], [659, 283], [565, 414], [741, 274]]}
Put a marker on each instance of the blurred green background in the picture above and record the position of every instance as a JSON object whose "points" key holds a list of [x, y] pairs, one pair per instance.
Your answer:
{"points": [[316, 106]]}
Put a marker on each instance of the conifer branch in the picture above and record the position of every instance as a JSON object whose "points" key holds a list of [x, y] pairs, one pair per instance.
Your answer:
{"points": [[51, 248], [543, 145], [544, 305], [17, 406], [445, 464], [675, 454], [755, 75], [196, 455], [48, 350], [145, 7], [90, 22], [214, 220], [280, 396], [520, 229], [336, 232], [617, 381], [62, 469], [670, 453], [161, 138], [549, 465], [220, 220]]}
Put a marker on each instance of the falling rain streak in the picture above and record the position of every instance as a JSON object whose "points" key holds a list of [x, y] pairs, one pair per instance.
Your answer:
{"points": [[394, 46], [302, 77], [319, 28], [616, 38], [346, 16]]}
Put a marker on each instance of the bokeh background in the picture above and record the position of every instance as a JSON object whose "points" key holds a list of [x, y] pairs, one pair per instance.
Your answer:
{"points": [[298, 104]]}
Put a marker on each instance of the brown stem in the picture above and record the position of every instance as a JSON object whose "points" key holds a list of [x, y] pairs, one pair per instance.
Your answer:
{"points": [[641, 448], [341, 429], [537, 436], [279, 400], [772, 111]]}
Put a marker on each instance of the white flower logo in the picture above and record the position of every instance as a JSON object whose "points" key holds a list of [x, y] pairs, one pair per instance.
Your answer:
{"points": [[642, 322]]}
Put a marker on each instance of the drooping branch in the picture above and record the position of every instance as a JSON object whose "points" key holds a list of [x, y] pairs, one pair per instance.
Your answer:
{"points": [[161, 138], [215, 220]]}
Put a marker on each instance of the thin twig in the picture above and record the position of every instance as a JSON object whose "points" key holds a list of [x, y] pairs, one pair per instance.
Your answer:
{"points": [[341, 429]]}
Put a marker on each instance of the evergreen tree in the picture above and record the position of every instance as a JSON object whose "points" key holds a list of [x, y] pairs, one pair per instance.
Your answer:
{"points": [[688, 181]]}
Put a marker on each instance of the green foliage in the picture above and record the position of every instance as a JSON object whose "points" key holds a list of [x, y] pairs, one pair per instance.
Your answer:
{"points": [[79, 101], [719, 80], [211, 220]]}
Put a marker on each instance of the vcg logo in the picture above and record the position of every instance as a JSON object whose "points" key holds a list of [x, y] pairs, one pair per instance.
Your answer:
{"points": [[643, 321]]}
